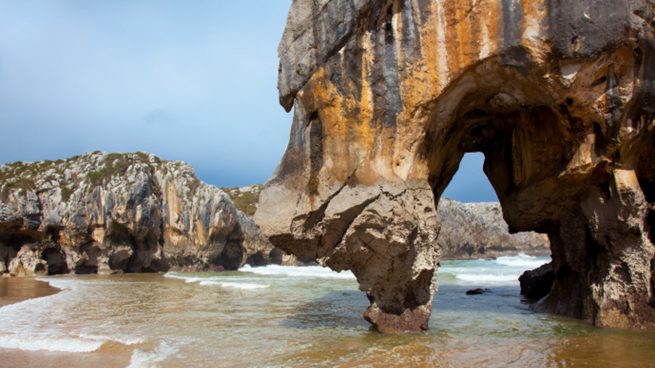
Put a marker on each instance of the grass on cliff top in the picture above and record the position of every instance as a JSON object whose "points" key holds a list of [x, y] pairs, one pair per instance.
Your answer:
{"points": [[24, 184], [19, 175], [246, 201], [115, 164], [24, 175]]}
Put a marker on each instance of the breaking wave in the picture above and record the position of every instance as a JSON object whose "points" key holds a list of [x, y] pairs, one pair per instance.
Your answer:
{"points": [[299, 271]]}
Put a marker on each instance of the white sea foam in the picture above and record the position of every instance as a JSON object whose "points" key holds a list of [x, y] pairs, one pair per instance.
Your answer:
{"points": [[60, 283], [486, 278], [58, 344], [219, 281], [234, 285], [149, 359], [522, 260], [299, 271], [119, 338], [187, 279], [503, 270]]}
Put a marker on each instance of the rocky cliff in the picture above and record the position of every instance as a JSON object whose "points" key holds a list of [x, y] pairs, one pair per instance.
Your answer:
{"points": [[388, 95], [109, 213], [477, 230]]}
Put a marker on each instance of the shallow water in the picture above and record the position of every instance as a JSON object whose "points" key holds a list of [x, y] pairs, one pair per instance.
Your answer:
{"points": [[296, 317]]}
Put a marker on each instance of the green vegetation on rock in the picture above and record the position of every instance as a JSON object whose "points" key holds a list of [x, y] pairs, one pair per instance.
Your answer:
{"points": [[245, 198]]}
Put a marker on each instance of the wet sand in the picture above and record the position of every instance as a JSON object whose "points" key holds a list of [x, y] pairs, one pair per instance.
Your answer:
{"points": [[45, 359], [17, 289]]}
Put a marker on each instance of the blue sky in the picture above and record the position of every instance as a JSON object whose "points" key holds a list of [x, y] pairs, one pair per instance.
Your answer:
{"points": [[185, 80]]}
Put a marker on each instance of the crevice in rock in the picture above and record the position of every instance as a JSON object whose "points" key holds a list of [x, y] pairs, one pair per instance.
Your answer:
{"points": [[89, 262], [257, 259], [315, 151], [337, 228], [231, 254], [56, 259], [314, 217]]}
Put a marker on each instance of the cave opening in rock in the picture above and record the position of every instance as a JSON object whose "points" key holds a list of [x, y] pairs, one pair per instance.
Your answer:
{"points": [[230, 253], [475, 228], [469, 184], [516, 139]]}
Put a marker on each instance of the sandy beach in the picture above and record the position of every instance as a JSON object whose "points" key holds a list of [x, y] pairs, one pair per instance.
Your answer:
{"points": [[45, 359]]}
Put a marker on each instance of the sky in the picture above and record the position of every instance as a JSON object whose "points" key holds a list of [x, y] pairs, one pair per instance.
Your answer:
{"points": [[186, 80]]}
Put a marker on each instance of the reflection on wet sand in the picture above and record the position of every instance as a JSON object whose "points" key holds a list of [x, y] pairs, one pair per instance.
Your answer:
{"points": [[17, 289]]}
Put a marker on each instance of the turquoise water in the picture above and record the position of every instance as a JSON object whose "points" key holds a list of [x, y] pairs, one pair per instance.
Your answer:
{"points": [[297, 317]]}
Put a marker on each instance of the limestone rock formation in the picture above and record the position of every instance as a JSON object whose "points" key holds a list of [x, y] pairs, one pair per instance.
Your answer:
{"points": [[389, 94], [120, 213], [477, 230]]}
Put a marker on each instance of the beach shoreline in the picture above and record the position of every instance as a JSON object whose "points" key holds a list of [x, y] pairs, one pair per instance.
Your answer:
{"points": [[17, 289]]}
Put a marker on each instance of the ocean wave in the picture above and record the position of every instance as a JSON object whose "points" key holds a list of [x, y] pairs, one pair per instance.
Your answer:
{"points": [[486, 278], [119, 338], [85, 343], [521, 261], [187, 279], [55, 344], [218, 281], [234, 285], [299, 271]]}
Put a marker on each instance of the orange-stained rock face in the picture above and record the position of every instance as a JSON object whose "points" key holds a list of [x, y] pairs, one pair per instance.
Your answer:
{"points": [[389, 95]]}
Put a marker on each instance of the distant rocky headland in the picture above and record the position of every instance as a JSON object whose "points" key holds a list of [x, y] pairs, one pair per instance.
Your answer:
{"points": [[133, 212], [478, 230], [105, 213]]}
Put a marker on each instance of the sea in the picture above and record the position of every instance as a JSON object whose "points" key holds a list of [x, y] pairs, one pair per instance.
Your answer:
{"points": [[281, 316]]}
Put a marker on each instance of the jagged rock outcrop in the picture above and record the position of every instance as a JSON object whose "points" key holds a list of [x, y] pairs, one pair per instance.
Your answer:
{"points": [[389, 94], [477, 230], [120, 213]]}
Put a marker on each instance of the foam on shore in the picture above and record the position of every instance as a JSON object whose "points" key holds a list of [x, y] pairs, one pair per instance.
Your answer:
{"points": [[147, 359], [55, 344], [299, 271], [236, 283]]}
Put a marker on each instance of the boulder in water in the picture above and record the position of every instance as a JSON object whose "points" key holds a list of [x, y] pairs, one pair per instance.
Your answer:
{"points": [[477, 291], [537, 283]]}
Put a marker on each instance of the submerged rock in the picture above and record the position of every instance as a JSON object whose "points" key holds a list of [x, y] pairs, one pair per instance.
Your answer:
{"points": [[478, 291], [107, 213], [389, 95]]}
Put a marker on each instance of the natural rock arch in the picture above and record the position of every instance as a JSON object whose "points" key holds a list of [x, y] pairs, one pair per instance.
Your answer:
{"points": [[388, 96]]}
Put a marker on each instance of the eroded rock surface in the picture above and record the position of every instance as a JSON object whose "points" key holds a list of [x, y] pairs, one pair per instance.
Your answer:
{"points": [[105, 213], [389, 94]]}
